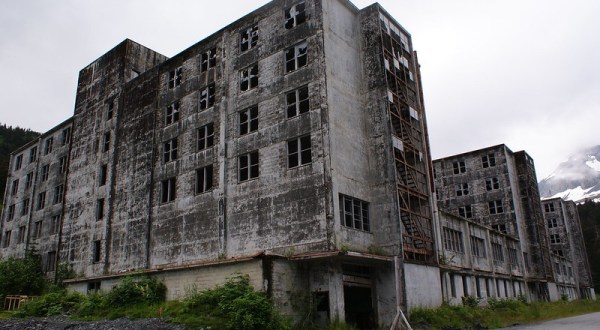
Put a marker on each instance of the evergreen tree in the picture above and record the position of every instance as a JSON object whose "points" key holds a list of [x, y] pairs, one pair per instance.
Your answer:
{"points": [[11, 139]]}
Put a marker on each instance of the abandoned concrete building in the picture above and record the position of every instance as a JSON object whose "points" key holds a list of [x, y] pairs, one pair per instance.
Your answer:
{"points": [[292, 146], [497, 188]]}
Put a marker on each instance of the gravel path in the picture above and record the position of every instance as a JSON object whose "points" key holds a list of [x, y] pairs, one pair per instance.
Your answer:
{"points": [[62, 322]]}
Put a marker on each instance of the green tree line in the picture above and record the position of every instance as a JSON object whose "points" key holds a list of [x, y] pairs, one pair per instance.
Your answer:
{"points": [[11, 138]]}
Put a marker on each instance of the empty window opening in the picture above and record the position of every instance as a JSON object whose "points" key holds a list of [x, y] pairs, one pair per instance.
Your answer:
{"points": [[51, 261], [100, 209], [66, 136], [552, 223], [497, 252], [204, 179], [500, 227], [175, 77], [45, 172], [62, 165], [358, 306], [209, 59], [554, 238], [248, 166], [207, 97], [249, 78], [512, 256], [299, 151], [492, 184], [459, 167], [172, 113], [33, 154], [41, 200], [25, 207], [297, 102], [167, 190], [495, 207], [55, 224], [106, 144], [549, 207], [296, 57], [15, 187], [37, 229], [28, 180], [248, 120], [295, 15], [249, 38], [6, 241], [205, 137], [102, 175], [48, 145], [110, 109], [488, 160], [96, 251], [93, 287], [465, 282], [354, 213], [11, 212], [462, 189], [18, 162], [478, 247], [453, 240], [170, 150], [21, 237], [58, 194], [465, 211]]}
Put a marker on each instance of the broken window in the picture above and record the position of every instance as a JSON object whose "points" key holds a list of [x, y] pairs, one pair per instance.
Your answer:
{"points": [[48, 145], [106, 144], [459, 167], [497, 252], [100, 209], [62, 164], [37, 229], [32, 154], [296, 57], [249, 78], [552, 223], [102, 175], [93, 287], [170, 150], [109, 109], [25, 207], [495, 207], [354, 213], [249, 38], [248, 120], [465, 211], [172, 113], [488, 160], [21, 237], [11, 212], [207, 97], [15, 187], [58, 193], [65, 136], [297, 102], [478, 246], [18, 162], [45, 172], [96, 251], [549, 207], [512, 256], [175, 77], [299, 151], [558, 252], [453, 240], [209, 59], [205, 137], [41, 200], [500, 227], [554, 238], [167, 190], [204, 179], [295, 15], [55, 224], [248, 166], [6, 241], [462, 189], [492, 184], [28, 180]]}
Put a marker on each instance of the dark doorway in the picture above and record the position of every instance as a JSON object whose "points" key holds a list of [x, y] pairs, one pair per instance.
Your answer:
{"points": [[358, 303]]}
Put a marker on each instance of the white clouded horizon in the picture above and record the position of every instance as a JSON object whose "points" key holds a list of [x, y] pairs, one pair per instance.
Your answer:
{"points": [[520, 72]]}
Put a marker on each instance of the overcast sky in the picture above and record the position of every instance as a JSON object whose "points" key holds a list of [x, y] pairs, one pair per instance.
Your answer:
{"points": [[521, 72]]}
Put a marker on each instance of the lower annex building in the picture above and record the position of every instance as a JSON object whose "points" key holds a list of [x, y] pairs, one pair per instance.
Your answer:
{"points": [[291, 145]]}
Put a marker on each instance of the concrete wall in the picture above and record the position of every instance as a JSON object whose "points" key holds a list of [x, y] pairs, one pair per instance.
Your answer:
{"points": [[423, 287]]}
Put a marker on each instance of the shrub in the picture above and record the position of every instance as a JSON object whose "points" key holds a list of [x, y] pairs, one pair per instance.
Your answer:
{"points": [[56, 303], [136, 290], [21, 276]]}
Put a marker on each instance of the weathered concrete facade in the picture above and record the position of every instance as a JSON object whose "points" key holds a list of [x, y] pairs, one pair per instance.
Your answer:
{"points": [[497, 188], [290, 145], [571, 266]]}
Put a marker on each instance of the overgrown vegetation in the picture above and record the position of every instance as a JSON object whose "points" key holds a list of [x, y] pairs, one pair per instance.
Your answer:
{"points": [[498, 314], [589, 214], [21, 276]]}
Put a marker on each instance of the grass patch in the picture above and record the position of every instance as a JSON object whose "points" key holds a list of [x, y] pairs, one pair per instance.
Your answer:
{"points": [[499, 313]]}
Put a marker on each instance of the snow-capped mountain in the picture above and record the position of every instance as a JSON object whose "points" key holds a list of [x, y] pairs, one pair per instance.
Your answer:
{"points": [[576, 179]]}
